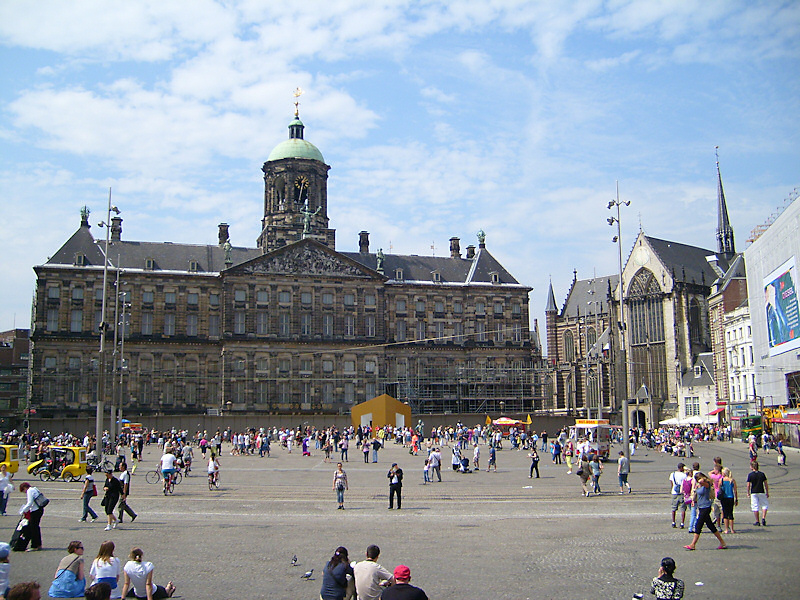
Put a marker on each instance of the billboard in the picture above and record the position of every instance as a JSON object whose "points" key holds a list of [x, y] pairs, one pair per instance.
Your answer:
{"points": [[783, 313]]}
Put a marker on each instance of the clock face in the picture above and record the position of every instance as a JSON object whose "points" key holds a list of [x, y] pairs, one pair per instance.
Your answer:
{"points": [[641, 256]]}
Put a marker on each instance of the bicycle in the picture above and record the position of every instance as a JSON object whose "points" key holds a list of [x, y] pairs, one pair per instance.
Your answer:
{"points": [[169, 483], [213, 480], [155, 476]]}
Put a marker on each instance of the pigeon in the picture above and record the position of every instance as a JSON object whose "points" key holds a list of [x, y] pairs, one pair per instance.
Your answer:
{"points": [[307, 574], [294, 560]]}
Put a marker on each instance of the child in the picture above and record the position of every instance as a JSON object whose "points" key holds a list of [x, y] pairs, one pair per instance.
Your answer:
{"points": [[426, 477], [5, 568]]}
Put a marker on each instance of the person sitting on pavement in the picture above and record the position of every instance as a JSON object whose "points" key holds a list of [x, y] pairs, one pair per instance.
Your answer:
{"points": [[371, 578], [402, 589]]}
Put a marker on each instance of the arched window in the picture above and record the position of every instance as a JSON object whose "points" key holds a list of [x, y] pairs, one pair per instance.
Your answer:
{"points": [[569, 346], [648, 361], [695, 329], [591, 338]]}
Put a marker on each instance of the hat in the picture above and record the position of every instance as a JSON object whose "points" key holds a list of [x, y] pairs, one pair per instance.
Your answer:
{"points": [[5, 550], [402, 572]]}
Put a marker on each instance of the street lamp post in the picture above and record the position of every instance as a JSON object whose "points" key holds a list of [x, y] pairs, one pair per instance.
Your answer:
{"points": [[101, 381], [623, 349]]}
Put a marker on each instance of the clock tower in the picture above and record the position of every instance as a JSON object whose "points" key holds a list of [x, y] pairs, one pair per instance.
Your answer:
{"points": [[295, 193]]}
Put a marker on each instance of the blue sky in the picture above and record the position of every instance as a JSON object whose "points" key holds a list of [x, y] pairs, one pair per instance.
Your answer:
{"points": [[438, 118]]}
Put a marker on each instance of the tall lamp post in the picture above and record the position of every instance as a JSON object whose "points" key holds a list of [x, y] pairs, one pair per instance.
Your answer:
{"points": [[101, 382], [626, 448]]}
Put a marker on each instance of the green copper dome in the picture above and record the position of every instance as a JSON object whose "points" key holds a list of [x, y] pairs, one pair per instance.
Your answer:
{"points": [[296, 146]]}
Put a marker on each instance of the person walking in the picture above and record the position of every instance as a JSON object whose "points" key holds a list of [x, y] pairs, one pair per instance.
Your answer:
{"points": [[344, 446], [34, 507], [395, 476], [371, 578], [476, 457], [569, 452], [729, 497], [113, 491], [376, 445], [623, 469], [492, 459], [534, 456], [584, 472], [402, 589], [435, 464], [340, 485], [597, 470], [6, 487], [89, 491], [757, 489], [125, 480], [703, 494]]}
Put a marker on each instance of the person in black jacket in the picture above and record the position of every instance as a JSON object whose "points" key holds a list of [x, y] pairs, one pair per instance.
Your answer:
{"points": [[113, 490], [395, 476]]}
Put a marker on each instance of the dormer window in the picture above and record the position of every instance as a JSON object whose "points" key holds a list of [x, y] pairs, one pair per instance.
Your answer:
{"points": [[398, 274], [194, 266], [149, 264], [495, 277], [437, 277], [80, 260], [698, 371]]}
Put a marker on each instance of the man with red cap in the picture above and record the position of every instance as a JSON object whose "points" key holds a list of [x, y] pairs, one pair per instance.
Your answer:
{"points": [[402, 590]]}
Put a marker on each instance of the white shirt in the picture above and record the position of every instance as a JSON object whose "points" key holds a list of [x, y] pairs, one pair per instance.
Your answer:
{"points": [[677, 478], [167, 461], [108, 569], [369, 576]]}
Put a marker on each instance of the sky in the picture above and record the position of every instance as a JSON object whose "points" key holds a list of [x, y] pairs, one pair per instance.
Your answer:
{"points": [[438, 118]]}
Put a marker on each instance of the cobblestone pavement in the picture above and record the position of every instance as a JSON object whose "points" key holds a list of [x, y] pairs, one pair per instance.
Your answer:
{"points": [[473, 536]]}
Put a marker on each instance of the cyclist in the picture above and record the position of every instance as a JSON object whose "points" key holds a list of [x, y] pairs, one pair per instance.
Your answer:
{"points": [[188, 454], [213, 468], [168, 468]]}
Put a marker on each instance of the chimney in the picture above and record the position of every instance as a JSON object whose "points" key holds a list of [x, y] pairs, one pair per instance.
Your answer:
{"points": [[455, 248], [223, 233], [470, 251], [116, 229], [363, 242]]}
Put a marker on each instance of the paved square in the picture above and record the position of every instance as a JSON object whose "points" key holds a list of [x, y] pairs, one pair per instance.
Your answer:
{"points": [[473, 536]]}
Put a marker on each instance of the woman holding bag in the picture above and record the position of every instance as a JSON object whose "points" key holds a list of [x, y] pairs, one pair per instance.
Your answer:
{"points": [[89, 491], [6, 487]]}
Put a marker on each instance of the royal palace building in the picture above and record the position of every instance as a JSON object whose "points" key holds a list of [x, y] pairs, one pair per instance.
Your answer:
{"points": [[289, 326]]}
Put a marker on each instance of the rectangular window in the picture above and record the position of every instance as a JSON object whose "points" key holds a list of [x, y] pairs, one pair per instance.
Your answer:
{"points": [[77, 293], [305, 365], [262, 322], [169, 324], [400, 305], [369, 325], [420, 306], [191, 325], [76, 321], [516, 309], [370, 390], [285, 297], [498, 308], [52, 319], [401, 331], [349, 325], [147, 297], [54, 293], [240, 295], [98, 293], [191, 393], [262, 392], [169, 297], [369, 366], [458, 308], [262, 296], [480, 308], [420, 330], [284, 365], [239, 318], [480, 331], [305, 324], [692, 406], [213, 325], [192, 298], [438, 306], [499, 335], [349, 366], [369, 300], [327, 393], [327, 298], [305, 298], [349, 392], [50, 362], [440, 330], [517, 332], [147, 323], [283, 324], [262, 364], [327, 366], [213, 300], [349, 300], [305, 392], [458, 332], [327, 325], [74, 363]]}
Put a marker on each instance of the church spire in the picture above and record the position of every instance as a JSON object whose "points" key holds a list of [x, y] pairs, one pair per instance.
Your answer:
{"points": [[725, 243], [551, 300]]}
